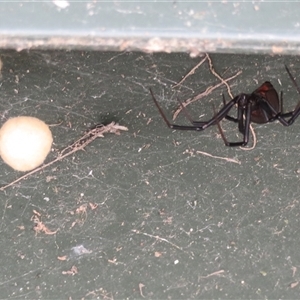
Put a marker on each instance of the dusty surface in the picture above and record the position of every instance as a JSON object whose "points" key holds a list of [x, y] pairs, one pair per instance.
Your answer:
{"points": [[146, 213]]}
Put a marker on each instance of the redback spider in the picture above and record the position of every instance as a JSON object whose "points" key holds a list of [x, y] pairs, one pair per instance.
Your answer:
{"points": [[261, 106]]}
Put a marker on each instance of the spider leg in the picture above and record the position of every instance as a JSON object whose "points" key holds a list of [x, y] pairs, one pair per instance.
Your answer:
{"points": [[229, 118], [281, 102], [245, 130], [197, 125], [292, 114], [239, 119], [188, 116], [169, 124], [221, 114], [270, 110], [220, 129], [293, 79], [285, 115]]}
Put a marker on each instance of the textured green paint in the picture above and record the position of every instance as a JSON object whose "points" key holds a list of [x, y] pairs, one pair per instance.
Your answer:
{"points": [[167, 216]]}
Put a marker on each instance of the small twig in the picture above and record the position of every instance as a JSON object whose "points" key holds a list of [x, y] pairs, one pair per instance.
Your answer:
{"points": [[219, 157], [211, 67], [57, 124], [191, 72], [80, 144], [159, 238], [201, 95], [213, 274]]}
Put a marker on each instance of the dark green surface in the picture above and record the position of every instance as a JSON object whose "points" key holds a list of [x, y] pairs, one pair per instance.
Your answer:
{"points": [[152, 26], [149, 182]]}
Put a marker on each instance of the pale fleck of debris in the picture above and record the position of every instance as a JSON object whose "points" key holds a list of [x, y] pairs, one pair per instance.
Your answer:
{"points": [[279, 81], [22, 256], [144, 147], [36, 213], [113, 261], [79, 250], [61, 3], [141, 286], [294, 284], [46, 199], [263, 273], [81, 209], [277, 49], [62, 257], [49, 178], [93, 205], [72, 271], [157, 254]]}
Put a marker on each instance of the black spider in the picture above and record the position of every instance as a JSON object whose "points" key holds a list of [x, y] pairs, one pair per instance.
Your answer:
{"points": [[261, 106]]}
